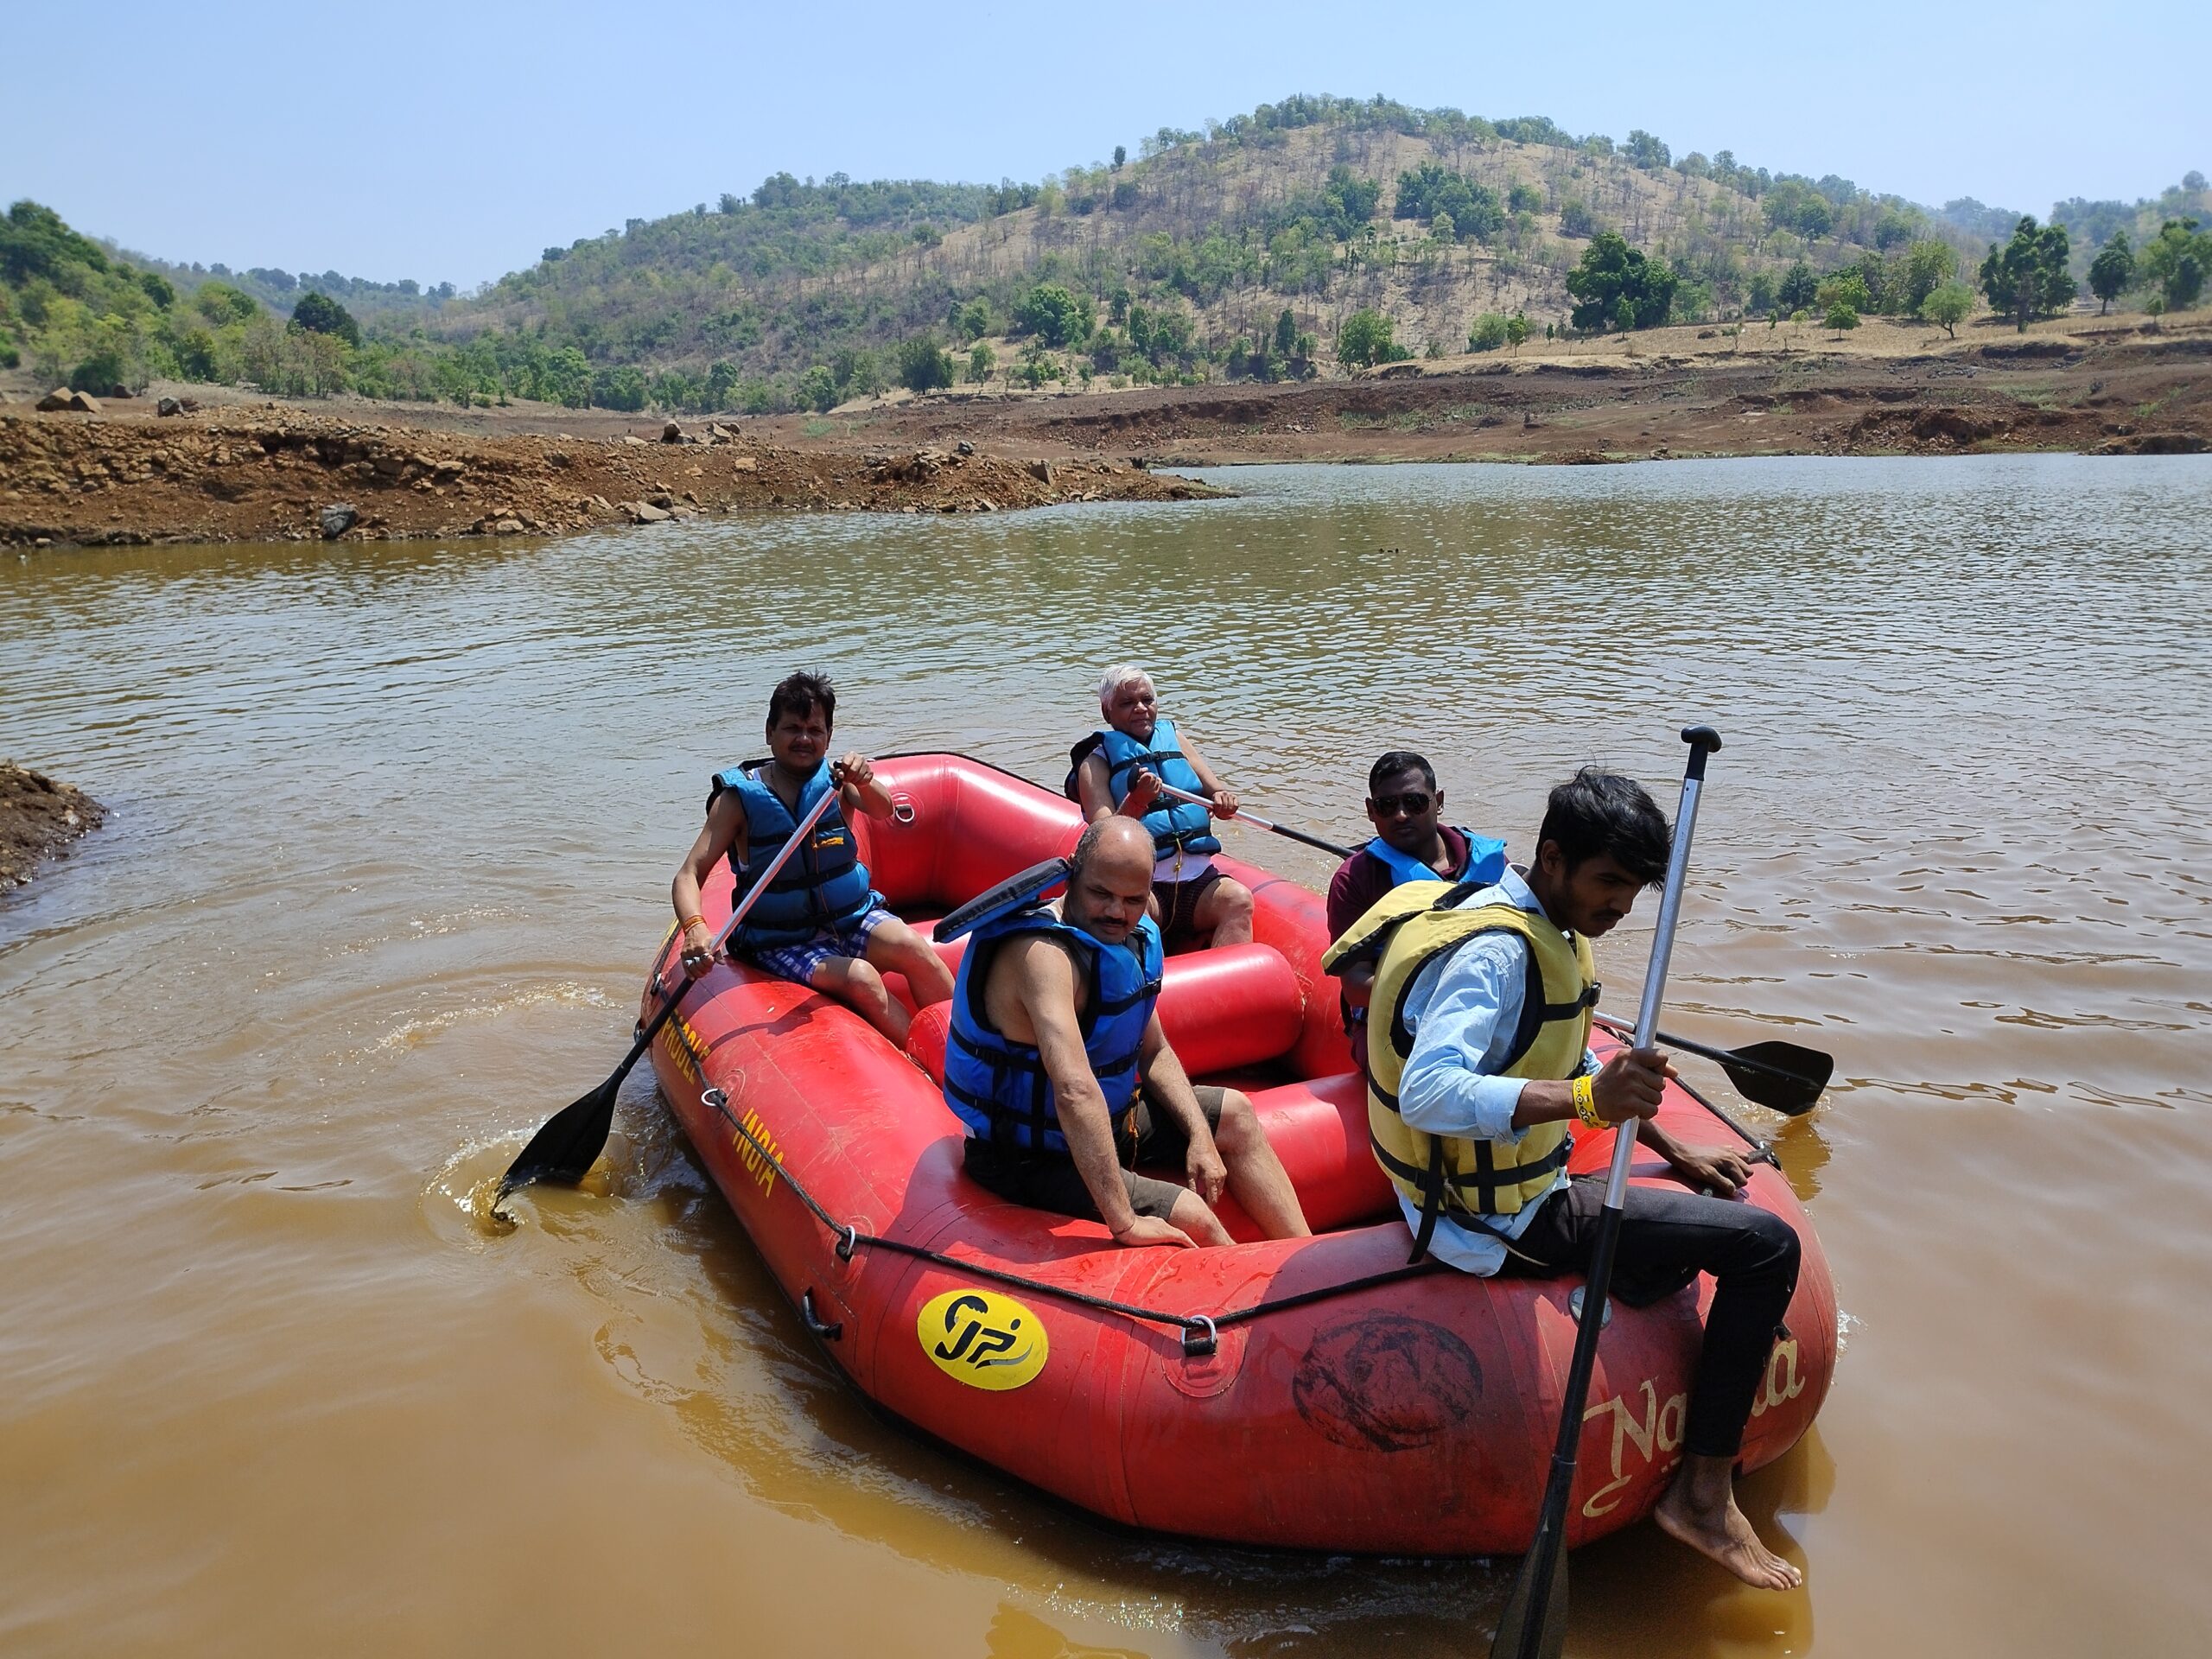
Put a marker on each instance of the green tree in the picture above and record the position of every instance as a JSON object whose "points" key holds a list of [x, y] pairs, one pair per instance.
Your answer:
{"points": [[982, 364], [1798, 287], [221, 304], [2111, 271], [1491, 330], [1516, 330], [924, 366], [157, 290], [974, 318], [1928, 265], [2027, 278], [1286, 340], [817, 389], [1948, 305], [1055, 315], [317, 313], [1523, 198], [1847, 288], [1121, 155], [1616, 285], [1841, 315], [2176, 262], [1364, 338]]}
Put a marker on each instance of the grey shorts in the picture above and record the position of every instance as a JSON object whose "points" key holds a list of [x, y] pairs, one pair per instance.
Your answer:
{"points": [[1050, 1180]]}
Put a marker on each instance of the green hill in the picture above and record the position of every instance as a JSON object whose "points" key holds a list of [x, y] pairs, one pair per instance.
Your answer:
{"points": [[1243, 250]]}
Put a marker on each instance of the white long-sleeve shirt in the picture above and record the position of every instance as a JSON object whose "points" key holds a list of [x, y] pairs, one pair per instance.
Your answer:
{"points": [[1463, 1011]]}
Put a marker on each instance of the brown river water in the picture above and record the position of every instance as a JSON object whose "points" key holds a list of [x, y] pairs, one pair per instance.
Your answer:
{"points": [[392, 831]]}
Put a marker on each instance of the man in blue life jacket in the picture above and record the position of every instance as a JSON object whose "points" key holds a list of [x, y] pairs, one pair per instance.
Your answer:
{"points": [[1137, 750], [1478, 1059], [820, 923], [1057, 1066], [1412, 843]]}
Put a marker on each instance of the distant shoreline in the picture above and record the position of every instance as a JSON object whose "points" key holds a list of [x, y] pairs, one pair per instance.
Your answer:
{"points": [[250, 470]]}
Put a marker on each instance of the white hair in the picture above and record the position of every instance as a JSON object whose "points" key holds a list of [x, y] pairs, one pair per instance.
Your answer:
{"points": [[1115, 678]]}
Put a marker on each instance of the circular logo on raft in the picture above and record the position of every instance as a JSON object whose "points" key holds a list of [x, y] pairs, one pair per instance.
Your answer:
{"points": [[982, 1339]]}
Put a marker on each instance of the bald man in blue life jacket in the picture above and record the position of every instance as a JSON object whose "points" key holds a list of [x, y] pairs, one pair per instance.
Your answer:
{"points": [[1477, 1060], [1056, 1065], [820, 923], [1195, 904]]}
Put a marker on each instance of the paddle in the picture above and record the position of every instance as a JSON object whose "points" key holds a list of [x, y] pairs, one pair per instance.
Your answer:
{"points": [[1781, 1076], [1534, 1625], [1243, 816], [574, 1136]]}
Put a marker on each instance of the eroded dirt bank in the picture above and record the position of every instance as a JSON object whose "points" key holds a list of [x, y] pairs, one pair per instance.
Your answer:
{"points": [[278, 475], [2114, 388], [39, 818]]}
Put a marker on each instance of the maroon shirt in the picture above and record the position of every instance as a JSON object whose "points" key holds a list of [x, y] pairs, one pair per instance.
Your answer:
{"points": [[1362, 879]]}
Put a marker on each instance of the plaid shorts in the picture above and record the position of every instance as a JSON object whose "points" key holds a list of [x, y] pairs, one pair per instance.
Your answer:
{"points": [[798, 962]]}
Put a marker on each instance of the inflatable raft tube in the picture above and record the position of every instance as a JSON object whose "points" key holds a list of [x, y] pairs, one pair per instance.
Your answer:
{"points": [[1319, 1393]]}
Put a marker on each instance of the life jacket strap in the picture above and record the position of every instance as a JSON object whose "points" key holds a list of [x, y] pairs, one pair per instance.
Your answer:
{"points": [[1486, 1180]]}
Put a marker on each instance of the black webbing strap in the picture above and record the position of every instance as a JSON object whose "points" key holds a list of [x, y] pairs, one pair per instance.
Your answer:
{"points": [[1486, 1180], [1200, 1332]]}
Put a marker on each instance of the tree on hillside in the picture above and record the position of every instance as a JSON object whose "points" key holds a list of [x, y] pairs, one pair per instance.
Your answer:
{"points": [[982, 364], [1847, 289], [924, 366], [1841, 315], [1928, 265], [2026, 278], [1364, 339], [1428, 190], [1798, 287], [1618, 286], [1516, 330], [1055, 315], [1644, 151], [2111, 271], [1491, 330], [2176, 262], [1121, 155], [1286, 340], [318, 314], [1523, 198], [817, 389], [1948, 305]]}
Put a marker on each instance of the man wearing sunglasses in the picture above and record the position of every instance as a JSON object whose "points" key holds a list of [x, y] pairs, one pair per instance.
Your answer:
{"points": [[1412, 843]]}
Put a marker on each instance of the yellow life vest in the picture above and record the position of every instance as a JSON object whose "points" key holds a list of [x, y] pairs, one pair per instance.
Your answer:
{"points": [[1465, 1178]]}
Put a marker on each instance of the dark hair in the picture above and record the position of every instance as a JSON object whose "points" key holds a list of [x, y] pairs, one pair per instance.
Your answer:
{"points": [[802, 694], [1396, 761], [1598, 811]]}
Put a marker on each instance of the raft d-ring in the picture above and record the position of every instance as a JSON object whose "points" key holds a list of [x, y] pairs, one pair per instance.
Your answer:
{"points": [[827, 1330], [902, 810], [849, 1240], [1196, 1347], [715, 1098], [1574, 1307]]}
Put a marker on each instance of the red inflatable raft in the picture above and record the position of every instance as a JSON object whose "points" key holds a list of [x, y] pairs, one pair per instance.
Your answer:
{"points": [[1317, 1394]]}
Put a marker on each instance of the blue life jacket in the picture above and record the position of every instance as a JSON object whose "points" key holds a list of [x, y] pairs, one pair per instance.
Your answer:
{"points": [[997, 1088], [1176, 826], [1485, 861], [824, 885]]}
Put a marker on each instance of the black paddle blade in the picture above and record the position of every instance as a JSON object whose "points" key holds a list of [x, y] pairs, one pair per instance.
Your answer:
{"points": [[1017, 888], [1548, 1611], [569, 1143], [1782, 1077]]}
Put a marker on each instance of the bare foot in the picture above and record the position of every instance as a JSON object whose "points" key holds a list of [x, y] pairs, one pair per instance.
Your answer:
{"points": [[1726, 1536]]}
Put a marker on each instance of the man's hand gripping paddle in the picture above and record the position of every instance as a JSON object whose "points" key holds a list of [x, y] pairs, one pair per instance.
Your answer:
{"points": [[573, 1137], [1534, 1625]]}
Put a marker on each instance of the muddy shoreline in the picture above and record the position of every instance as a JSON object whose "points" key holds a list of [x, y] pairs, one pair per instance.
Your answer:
{"points": [[40, 819], [277, 474], [241, 471]]}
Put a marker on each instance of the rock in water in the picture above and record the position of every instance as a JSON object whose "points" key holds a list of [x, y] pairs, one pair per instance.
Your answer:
{"points": [[336, 519]]}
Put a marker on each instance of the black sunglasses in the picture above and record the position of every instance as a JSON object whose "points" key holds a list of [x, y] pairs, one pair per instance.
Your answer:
{"points": [[1413, 803]]}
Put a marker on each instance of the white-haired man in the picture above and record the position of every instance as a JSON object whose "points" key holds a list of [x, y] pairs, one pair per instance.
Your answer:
{"points": [[1121, 769]]}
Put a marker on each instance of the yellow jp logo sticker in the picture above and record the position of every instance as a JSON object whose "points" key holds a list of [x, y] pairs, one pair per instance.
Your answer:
{"points": [[986, 1340]]}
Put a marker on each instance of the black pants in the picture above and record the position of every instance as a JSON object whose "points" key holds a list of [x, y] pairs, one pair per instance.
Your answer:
{"points": [[1668, 1239]]}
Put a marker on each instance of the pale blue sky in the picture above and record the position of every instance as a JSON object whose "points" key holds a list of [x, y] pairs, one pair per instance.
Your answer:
{"points": [[453, 142]]}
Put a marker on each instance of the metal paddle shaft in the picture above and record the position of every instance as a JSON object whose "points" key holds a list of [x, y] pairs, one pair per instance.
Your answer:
{"points": [[1243, 817], [573, 1137], [1785, 1078], [1534, 1625]]}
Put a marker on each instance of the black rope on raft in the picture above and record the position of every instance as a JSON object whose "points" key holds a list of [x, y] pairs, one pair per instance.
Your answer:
{"points": [[1200, 1332]]}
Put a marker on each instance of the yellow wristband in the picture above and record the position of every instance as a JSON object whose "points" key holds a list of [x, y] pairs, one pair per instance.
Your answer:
{"points": [[691, 922], [1585, 1101]]}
